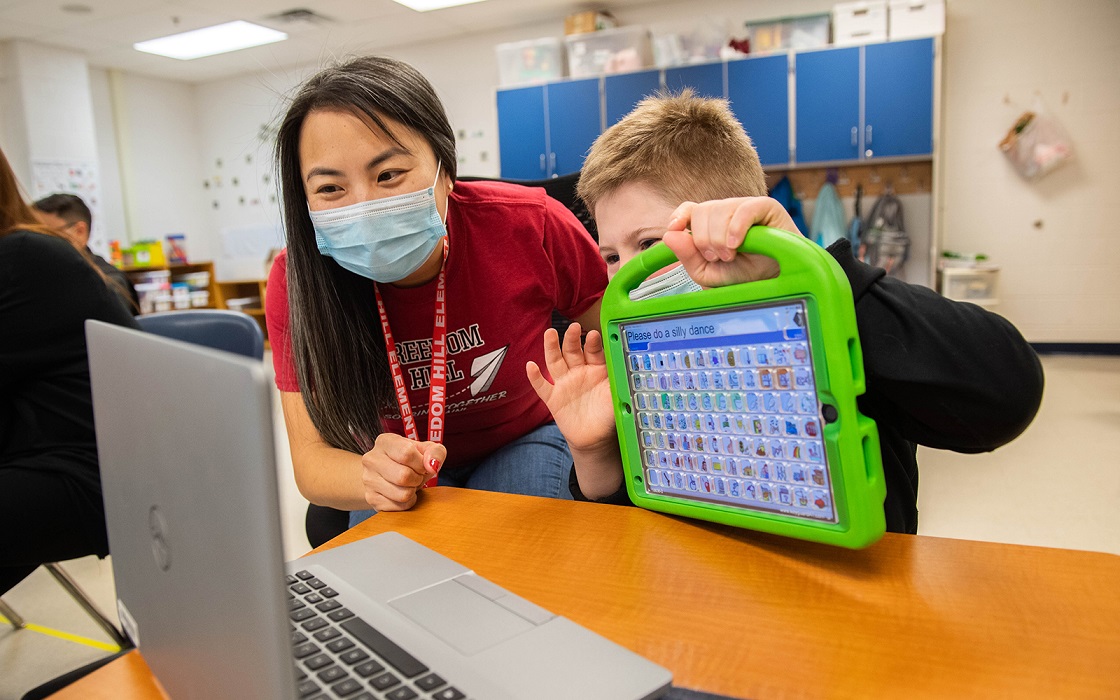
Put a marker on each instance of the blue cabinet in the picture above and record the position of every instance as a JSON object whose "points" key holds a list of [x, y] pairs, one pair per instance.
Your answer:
{"points": [[706, 80], [828, 97], [545, 130], [873, 101], [849, 104], [758, 90], [898, 99], [621, 93], [574, 123], [522, 133]]}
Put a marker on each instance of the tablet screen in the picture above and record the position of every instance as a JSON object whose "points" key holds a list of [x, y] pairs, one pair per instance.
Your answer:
{"points": [[726, 410]]}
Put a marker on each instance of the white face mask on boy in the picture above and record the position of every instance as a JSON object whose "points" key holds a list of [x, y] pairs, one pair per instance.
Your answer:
{"points": [[675, 281]]}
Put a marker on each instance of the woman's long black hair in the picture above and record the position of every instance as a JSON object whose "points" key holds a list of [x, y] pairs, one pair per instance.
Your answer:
{"points": [[336, 341]]}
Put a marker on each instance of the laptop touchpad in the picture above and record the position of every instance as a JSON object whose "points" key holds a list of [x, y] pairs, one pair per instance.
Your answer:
{"points": [[462, 618]]}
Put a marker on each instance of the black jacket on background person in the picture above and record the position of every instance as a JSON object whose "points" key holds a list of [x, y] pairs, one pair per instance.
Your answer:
{"points": [[940, 373], [50, 487]]}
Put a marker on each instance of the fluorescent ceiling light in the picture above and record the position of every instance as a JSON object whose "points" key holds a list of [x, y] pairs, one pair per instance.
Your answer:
{"points": [[221, 38], [425, 5]]}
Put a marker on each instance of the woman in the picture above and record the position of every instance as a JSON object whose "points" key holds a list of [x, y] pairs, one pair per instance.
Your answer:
{"points": [[407, 304], [50, 489]]}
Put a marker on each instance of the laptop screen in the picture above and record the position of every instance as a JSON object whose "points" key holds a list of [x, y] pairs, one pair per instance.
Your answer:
{"points": [[726, 410]]}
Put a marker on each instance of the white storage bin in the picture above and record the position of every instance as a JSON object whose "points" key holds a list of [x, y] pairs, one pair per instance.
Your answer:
{"points": [[532, 61], [859, 22], [809, 32], [700, 42], [243, 303], [608, 51], [978, 283], [194, 280], [910, 19]]}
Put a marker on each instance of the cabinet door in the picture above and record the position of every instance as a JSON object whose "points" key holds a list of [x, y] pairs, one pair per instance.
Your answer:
{"points": [[706, 80], [758, 89], [623, 92], [898, 99], [522, 143], [827, 105], [573, 123]]}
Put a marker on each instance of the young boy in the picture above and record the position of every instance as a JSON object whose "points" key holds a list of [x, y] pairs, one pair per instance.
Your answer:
{"points": [[681, 169]]}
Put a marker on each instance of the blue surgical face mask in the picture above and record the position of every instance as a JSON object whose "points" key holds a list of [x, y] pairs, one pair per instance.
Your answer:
{"points": [[675, 281], [386, 239]]}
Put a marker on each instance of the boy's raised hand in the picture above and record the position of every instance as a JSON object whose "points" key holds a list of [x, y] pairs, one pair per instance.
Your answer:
{"points": [[718, 228], [579, 395]]}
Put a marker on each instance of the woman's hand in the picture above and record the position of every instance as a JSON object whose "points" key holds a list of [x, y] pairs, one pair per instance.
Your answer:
{"points": [[396, 468], [579, 395], [710, 254]]}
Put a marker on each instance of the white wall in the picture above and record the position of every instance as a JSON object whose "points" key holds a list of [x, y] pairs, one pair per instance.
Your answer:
{"points": [[112, 198], [13, 123], [163, 160], [1054, 239], [48, 131]]}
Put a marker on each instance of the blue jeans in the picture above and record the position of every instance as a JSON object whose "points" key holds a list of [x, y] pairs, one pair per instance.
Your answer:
{"points": [[536, 464]]}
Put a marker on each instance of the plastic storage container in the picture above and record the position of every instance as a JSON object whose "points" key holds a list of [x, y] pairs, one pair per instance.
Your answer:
{"points": [[532, 61], [808, 32], [676, 45], [977, 283], [200, 299], [859, 22], [194, 280], [243, 303], [180, 296], [608, 51], [909, 19]]}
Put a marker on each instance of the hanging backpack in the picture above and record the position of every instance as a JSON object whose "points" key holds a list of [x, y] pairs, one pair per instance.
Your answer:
{"points": [[828, 217], [783, 192], [884, 242], [856, 223]]}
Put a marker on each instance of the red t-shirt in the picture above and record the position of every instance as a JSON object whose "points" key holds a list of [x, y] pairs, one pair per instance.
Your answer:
{"points": [[515, 254]]}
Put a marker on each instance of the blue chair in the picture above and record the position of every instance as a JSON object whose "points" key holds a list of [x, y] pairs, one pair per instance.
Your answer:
{"points": [[231, 331]]}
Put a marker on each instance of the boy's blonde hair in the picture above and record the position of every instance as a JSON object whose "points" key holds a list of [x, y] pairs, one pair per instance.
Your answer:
{"points": [[685, 147]]}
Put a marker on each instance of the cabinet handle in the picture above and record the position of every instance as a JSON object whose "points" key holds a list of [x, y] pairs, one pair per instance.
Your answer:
{"points": [[552, 163], [542, 163], [855, 135], [867, 133]]}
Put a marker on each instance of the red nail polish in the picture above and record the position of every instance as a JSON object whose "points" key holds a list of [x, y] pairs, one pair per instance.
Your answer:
{"points": [[434, 464]]}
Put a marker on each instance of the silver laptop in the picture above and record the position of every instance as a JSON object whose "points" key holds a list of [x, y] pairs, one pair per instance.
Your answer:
{"points": [[186, 446]]}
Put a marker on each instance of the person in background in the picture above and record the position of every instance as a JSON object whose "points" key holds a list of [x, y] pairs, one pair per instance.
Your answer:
{"points": [[50, 487], [70, 214], [406, 303], [939, 373]]}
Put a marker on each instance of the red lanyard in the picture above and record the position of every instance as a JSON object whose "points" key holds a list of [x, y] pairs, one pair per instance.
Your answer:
{"points": [[437, 389]]}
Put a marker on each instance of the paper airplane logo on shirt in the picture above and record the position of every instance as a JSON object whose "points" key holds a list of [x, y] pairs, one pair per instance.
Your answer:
{"points": [[484, 368]]}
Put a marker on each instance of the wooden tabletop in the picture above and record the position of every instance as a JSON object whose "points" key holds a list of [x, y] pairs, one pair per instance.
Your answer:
{"points": [[752, 615]]}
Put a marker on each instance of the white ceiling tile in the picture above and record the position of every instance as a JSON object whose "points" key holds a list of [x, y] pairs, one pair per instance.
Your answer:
{"points": [[10, 29], [126, 30], [51, 16]]}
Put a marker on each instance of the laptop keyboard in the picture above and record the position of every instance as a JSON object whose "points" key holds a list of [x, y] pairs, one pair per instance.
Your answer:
{"points": [[339, 655]]}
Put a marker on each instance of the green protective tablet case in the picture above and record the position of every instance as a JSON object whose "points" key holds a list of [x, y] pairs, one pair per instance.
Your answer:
{"points": [[810, 281]]}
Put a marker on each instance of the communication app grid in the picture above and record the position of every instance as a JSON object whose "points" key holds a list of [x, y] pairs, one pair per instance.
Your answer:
{"points": [[726, 410]]}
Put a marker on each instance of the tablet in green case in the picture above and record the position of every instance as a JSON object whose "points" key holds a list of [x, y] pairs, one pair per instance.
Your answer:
{"points": [[738, 404]]}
